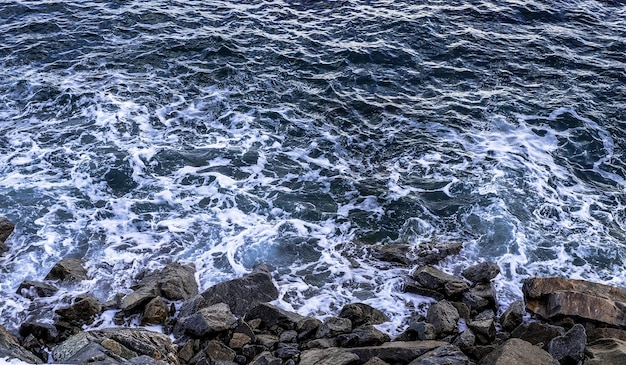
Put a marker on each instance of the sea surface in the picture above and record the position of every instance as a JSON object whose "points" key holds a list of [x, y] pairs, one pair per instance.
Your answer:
{"points": [[300, 134]]}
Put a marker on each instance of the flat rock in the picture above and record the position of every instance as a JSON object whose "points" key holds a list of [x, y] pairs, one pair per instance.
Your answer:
{"points": [[397, 352], [569, 349], [361, 314], [10, 348], [598, 333], [330, 356], [559, 297], [270, 315], [481, 273], [33, 289], [518, 352], [68, 270], [444, 355], [606, 351], [243, 294]]}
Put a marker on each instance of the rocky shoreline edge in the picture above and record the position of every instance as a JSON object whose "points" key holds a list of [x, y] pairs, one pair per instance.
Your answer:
{"points": [[560, 321]]}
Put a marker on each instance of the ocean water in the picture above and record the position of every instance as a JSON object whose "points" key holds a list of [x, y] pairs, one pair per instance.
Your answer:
{"points": [[302, 133]]}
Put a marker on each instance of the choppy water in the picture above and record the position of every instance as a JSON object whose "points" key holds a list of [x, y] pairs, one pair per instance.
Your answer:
{"points": [[297, 133]]}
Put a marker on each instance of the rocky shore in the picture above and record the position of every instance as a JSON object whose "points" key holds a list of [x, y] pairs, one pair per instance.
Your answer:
{"points": [[560, 321]]}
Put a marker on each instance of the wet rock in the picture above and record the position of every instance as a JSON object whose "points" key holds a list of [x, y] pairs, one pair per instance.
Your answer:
{"points": [[569, 349], [33, 289], [270, 316], [307, 328], [513, 316], [68, 270], [481, 273], [432, 253], [360, 314], [418, 330], [435, 279], [518, 352], [559, 297], [42, 331], [537, 332], [483, 329], [444, 317], [287, 350], [397, 253], [6, 228], [155, 312], [245, 293], [10, 348], [444, 355], [83, 311], [334, 326], [416, 288], [210, 320], [397, 352], [331, 356], [367, 335], [606, 351]]}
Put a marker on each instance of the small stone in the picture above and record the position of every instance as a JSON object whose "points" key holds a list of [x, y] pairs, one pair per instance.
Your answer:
{"points": [[239, 340], [465, 339], [266, 358], [288, 336], [481, 273], [287, 350], [266, 340], [217, 351]]}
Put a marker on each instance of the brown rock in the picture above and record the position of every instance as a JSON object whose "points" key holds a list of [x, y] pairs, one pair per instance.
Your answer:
{"points": [[396, 352], [598, 333], [156, 312], [83, 311], [330, 356], [518, 352], [360, 314], [70, 270], [32, 289], [606, 351], [10, 348], [435, 279], [6, 228]]}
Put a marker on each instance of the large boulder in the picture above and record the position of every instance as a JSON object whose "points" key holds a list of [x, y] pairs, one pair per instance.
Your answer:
{"points": [[10, 349], [518, 352], [271, 316], [68, 270], [569, 349], [334, 326], [6, 228], [243, 294], [513, 316], [481, 273], [557, 297], [444, 317], [432, 278], [606, 351], [360, 314], [209, 321], [330, 356], [33, 289], [396, 352], [537, 332], [444, 355]]}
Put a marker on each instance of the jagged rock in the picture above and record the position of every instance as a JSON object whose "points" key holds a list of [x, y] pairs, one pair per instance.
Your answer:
{"points": [[434, 252], [89, 347], [6, 228], [558, 297], [513, 316], [239, 340], [307, 328], [465, 339], [360, 314], [366, 335], [376, 361], [444, 317], [32, 289], [334, 326], [288, 336], [484, 330], [42, 331], [569, 349], [321, 343], [287, 350], [210, 320], [444, 355], [83, 311], [481, 273], [435, 279], [418, 330], [245, 293], [537, 332], [416, 288], [270, 316], [267, 340], [393, 253], [518, 352], [598, 333], [266, 358], [155, 312], [478, 352], [474, 302], [606, 351], [330, 356], [217, 351], [397, 352], [10, 348], [68, 270], [427, 254]]}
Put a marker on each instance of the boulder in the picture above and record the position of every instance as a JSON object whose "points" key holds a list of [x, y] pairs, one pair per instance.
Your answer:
{"points": [[411, 286], [435, 279], [360, 314], [334, 326], [486, 294], [367, 335], [6, 228], [569, 349], [465, 339], [513, 316], [537, 332], [444, 355], [210, 320], [606, 351], [155, 312], [558, 297], [398, 253], [266, 358], [270, 316], [10, 348], [42, 331], [116, 346], [287, 350], [433, 252], [396, 352], [68, 270], [518, 352], [216, 351], [481, 273], [83, 311], [33, 289], [483, 329], [598, 333], [418, 330], [245, 293], [330, 356], [444, 317]]}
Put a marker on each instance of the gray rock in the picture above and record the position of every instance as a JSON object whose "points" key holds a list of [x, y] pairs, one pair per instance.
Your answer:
{"points": [[513, 316], [288, 336], [367, 335], [42, 331], [330, 356], [267, 340], [245, 293], [444, 355], [435, 279], [217, 351], [484, 329], [210, 320], [481, 273], [10, 348], [360, 314], [307, 328], [287, 350], [465, 339], [266, 358], [6, 228], [537, 332], [376, 361], [334, 326], [422, 330], [270, 316], [68, 270], [518, 352], [569, 348], [33, 289], [396, 352], [444, 317], [83, 311], [606, 351], [416, 288], [434, 252], [598, 333], [397, 253], [155, 312]]}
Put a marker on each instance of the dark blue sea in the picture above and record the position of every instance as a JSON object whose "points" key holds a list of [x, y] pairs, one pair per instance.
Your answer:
{"points": [[301, 134]]}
